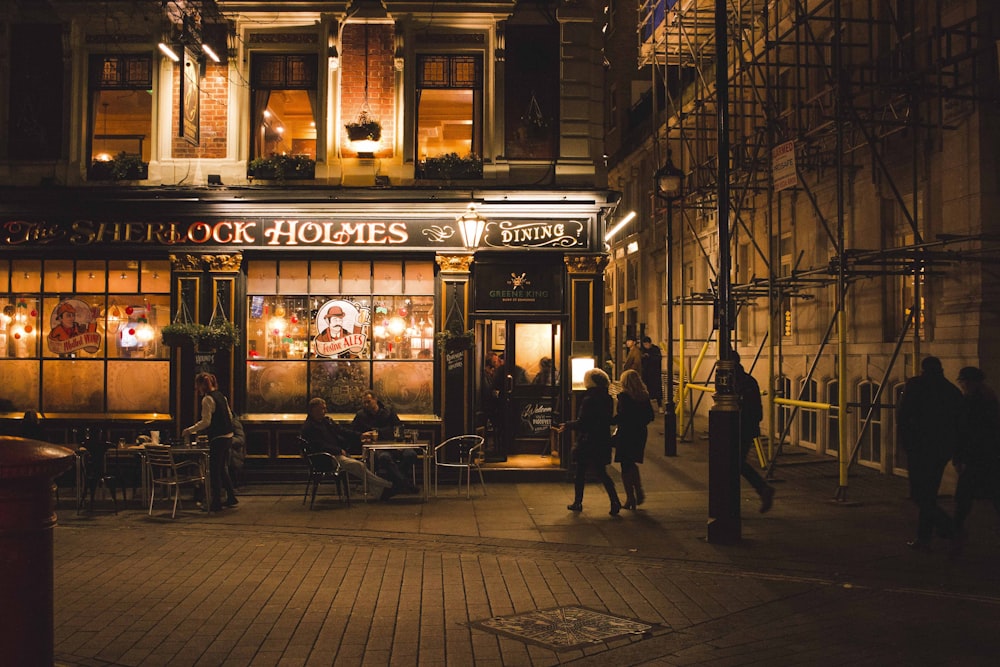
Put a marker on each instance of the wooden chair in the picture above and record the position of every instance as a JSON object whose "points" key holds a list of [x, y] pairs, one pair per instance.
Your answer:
{"points": [[461, 453], [167, 473], [323, 466]]}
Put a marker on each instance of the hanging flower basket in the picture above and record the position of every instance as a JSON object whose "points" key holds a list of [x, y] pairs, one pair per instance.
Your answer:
{"points": [[364, 130], [179, 334], [219, 335]]}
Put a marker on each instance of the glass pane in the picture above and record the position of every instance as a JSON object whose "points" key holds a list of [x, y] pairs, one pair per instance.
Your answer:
{"points": [[59, 276], [388, 277], [75, 326], [124, 276], [325, 278], [444, 123], [276, 386], [288, 126], [133, 326], [136, 387], [262, 277], [293, 278], [4, 276], [20, 382], [340, 383], [343, 328], [356, 278], [123, 121], [407, 387], [155, 277], [19, 324], [278, 327], [26, 276], [73, 385], [533, 343], [399, 327], [90, 277], [419, 278]]}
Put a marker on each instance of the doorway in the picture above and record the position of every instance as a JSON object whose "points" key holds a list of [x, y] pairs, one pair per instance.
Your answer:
{"points": [[521, 390]]}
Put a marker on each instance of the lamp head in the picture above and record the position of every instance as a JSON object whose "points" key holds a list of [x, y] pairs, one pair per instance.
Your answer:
{"points": [[669, 180]]}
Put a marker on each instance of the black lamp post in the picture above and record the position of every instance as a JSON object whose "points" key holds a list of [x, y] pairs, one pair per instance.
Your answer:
{"points": [[669, 180]]}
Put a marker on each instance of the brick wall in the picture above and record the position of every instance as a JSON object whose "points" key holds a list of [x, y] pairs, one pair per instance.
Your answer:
{"points": [[214, 98], [380, 81]]}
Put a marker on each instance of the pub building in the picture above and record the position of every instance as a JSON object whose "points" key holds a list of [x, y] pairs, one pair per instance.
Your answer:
{"points": [[331, 294], [313, 199]]}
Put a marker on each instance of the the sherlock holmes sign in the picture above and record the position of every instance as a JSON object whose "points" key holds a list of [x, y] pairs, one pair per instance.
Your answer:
{"points": [[292, 232]]}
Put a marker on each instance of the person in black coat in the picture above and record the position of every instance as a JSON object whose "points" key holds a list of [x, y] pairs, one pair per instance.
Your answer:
{"points": [[376, 421], [977, 451], [593, 438], [927, 428], [751, 412], [634, 413], [651, 371]]}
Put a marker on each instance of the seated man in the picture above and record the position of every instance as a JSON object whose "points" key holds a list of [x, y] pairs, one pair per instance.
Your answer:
{"points": [[376, 421], [324, 435]]}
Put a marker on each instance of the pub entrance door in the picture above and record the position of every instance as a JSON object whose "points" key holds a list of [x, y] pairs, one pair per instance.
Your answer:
{"points": [[522, 388]]}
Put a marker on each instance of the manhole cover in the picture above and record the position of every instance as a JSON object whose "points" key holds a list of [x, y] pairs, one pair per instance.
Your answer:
{"points": [[565, 628]]}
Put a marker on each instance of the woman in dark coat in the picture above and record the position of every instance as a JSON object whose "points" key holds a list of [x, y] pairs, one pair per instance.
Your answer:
{"points": [[593, 438], [634, 412]]}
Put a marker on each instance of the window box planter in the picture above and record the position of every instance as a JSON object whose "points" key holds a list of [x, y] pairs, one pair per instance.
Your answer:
{"points": [[282, 168], [451, 167], [122, 167]]}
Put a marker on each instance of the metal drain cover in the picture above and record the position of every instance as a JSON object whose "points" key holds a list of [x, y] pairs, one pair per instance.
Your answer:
{"points": [[566, 628]]}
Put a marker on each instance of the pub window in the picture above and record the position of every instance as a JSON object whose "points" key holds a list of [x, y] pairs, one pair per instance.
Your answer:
{"points": [[83, 336], [449, 115], [335, 329], [121, 114], [283, 102]]}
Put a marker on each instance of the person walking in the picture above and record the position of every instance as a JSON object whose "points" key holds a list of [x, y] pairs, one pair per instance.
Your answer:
{"points": [[751, 412], [977, 450], [928, 421], [651, 371], [633, 356], [593, 438], [217, 422], [634, 413]]}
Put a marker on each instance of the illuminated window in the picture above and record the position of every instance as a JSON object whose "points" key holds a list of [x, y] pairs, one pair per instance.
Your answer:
{"points": [[283, 100], [449, 113], [121, 113]]}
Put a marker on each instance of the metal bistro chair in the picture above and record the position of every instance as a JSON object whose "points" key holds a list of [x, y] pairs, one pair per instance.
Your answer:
{"points": [[98, 471], [164, 471], [323, 466], [462, 453]]}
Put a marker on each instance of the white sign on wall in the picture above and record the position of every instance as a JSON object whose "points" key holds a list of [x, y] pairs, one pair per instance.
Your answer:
{"points": [[783, 166]]}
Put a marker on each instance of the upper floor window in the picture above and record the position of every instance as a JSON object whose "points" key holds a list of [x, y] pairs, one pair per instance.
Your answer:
{"points": [[449, 114], [121, 115], [283, 104]]}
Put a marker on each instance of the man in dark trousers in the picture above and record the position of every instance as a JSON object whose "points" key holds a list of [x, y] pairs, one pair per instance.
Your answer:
{"points": [[375, 421], [928, 424], [977, 450], [751, 412], [651, 371]]}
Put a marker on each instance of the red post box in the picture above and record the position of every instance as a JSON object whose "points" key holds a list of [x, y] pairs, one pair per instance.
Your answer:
{"points": [[27, 517]]}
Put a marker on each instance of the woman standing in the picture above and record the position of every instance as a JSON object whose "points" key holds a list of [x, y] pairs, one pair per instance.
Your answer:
{"points": [[593, 439], [217, 422], [634, 412]]}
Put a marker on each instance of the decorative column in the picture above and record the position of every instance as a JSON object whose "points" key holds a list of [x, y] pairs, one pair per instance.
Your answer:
{"points": [[453, 316]]}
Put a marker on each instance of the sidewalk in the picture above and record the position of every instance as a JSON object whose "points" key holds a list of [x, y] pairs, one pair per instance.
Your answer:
{"points": [[513, 578]]}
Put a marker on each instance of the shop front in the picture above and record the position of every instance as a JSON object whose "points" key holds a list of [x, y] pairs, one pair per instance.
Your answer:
{"points": [[115, 299]]}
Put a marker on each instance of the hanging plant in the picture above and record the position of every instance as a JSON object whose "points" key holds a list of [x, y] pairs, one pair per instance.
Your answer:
{"points": [[178, 334], [219, 335], [450, 341], [365, 128]]}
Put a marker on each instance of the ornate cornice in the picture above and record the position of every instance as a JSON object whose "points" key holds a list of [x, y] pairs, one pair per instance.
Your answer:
{"points": [[454, 263], [218, 263], [185, 262], [585, 263]]}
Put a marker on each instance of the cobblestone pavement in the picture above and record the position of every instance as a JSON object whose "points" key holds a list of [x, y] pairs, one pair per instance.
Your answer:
{"points": [[403, 582]]}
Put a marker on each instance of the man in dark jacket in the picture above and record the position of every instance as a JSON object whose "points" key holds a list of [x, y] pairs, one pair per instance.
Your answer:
{"points": [[751, 412], [375, 421], [928, 424], [651, 372], [977, 451]]}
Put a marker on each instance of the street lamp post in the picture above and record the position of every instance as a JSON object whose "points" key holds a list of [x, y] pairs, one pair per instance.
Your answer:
{"points": [[669, 180]]}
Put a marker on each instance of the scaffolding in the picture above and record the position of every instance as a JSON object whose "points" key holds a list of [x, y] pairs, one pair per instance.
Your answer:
{"points": [[840, 117]]}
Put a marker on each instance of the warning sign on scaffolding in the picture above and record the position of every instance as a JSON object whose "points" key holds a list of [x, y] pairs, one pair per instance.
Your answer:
{"points": [[783, 166]]}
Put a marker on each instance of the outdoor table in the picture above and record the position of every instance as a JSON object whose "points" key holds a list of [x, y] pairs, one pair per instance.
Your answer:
{"points": [[369, 450]]}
